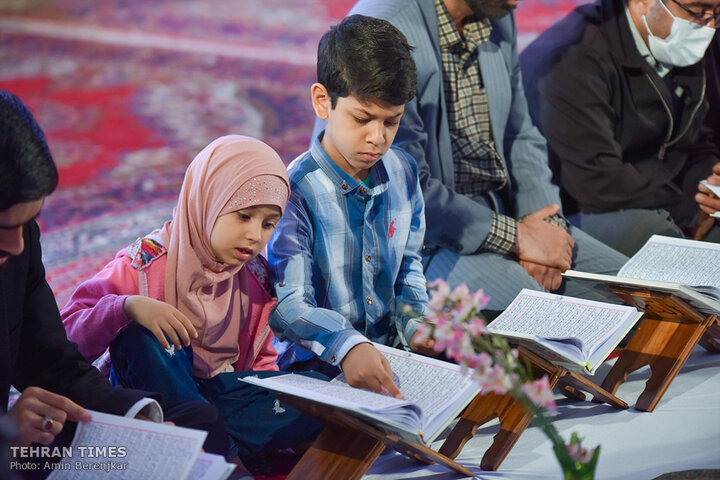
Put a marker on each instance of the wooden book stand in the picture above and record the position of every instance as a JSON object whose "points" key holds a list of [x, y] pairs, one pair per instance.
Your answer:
{"points": [[512, 415], [666, 335], [348, 447]]}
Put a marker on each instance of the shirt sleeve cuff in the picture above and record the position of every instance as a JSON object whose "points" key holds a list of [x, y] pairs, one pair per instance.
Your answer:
{"points": [[409, 329], [147, 407], [558, 221], [502, 235], [336, 355]]}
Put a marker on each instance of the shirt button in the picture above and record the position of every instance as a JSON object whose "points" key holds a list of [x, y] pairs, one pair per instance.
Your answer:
{"points": [[369, 301], [333, 359], [282, 284], [368, 257], [362, 191], [344, 186]]}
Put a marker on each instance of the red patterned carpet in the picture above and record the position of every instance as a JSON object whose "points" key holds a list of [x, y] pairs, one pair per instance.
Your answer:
{"points": [[128, 91]]}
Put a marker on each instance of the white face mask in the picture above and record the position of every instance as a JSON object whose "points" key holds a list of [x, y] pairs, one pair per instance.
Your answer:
{"points": [[685, 45]]}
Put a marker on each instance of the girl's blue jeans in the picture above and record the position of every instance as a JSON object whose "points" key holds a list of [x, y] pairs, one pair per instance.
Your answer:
{"points": [[253, 417]]}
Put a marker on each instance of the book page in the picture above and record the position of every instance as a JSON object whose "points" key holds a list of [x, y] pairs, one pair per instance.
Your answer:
{"points": [[440, 388], [716, 190], [127, 448], [420, 379], [549, 316], [379, 409], [702, 302], [334, 393], [676, 260], [209, 466]]}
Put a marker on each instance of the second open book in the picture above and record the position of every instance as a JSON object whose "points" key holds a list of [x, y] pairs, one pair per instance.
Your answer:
{"points": [[575, 334]]}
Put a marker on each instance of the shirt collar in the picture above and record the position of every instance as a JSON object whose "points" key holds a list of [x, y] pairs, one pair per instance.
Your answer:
{"points": [[475, 31], [344, 182], [642, 47]]}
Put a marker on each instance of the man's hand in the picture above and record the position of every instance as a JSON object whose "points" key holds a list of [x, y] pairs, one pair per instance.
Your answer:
{"points": [[540, 242], [424, 347], [34, 405], [714, 178], [703, 225], [708, 201], [160, 318], [549, 277], [365, 367]]}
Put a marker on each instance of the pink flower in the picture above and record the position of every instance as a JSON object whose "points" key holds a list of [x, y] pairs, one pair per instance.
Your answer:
{"points": [[424, 332], [494, 379], [479, 361], [461, 312], [476, 327], [460, 295], [578, 453], [444, 334], [480, 299], [460, 347], [436, 303], [540, 393], [439, 287]]}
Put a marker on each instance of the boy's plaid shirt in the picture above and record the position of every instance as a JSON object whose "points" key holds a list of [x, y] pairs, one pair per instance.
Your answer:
{"points": [[345, 258]]}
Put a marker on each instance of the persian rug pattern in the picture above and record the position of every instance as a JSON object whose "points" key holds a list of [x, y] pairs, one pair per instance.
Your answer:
{"points": [[128, 91]]}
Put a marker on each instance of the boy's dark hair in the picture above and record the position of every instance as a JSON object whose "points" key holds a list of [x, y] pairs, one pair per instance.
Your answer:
{"points": [[27, 170], [369, 58]]}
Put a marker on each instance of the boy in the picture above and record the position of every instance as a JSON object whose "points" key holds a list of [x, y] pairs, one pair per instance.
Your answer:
{"points": [[345, 258]]}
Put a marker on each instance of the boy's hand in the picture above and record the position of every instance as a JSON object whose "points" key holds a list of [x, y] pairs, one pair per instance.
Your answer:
{"points": [[424, 347], [365, 367], [41, 415], [541, 242], [161, 319]]}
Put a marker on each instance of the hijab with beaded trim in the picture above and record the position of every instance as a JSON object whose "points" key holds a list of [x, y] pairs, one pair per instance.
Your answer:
{"points": [[231, 173]]}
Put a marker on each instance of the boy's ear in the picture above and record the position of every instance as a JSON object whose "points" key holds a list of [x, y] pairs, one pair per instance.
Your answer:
{"points": [[320, 100]]}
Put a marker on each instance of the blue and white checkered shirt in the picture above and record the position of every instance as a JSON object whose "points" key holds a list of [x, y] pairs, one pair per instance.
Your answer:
{"points": [[345, 257]]}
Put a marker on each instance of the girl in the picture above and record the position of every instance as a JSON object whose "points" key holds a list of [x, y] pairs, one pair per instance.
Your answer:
{"points": [[185, 309]]}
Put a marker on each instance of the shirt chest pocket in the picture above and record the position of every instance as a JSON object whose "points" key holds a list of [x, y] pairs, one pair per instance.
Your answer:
{"points": [[332, 220]]}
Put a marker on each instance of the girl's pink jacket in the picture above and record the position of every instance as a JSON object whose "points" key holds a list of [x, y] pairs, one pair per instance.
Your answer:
{"points": [[94, 314]]}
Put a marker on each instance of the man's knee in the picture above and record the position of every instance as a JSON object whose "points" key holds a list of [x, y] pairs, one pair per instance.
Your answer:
{"points": [[499, 276]]}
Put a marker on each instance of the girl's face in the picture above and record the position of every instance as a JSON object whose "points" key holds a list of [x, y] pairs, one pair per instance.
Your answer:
{"points": [[239, 236]]}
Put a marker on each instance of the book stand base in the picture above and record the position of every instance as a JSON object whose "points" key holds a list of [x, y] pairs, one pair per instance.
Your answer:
{"points": [[512, 415], [348, 447], [666, 335]]}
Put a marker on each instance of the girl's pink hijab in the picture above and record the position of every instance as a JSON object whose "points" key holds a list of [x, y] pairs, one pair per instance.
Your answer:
{"points": [[209, 293]]}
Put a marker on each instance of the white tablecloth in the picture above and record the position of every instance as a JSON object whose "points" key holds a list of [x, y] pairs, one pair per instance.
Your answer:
{"points": [[683, 433]]}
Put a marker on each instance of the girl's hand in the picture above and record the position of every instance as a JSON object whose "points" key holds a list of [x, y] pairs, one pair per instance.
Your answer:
{"points": [[161, 319]]}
